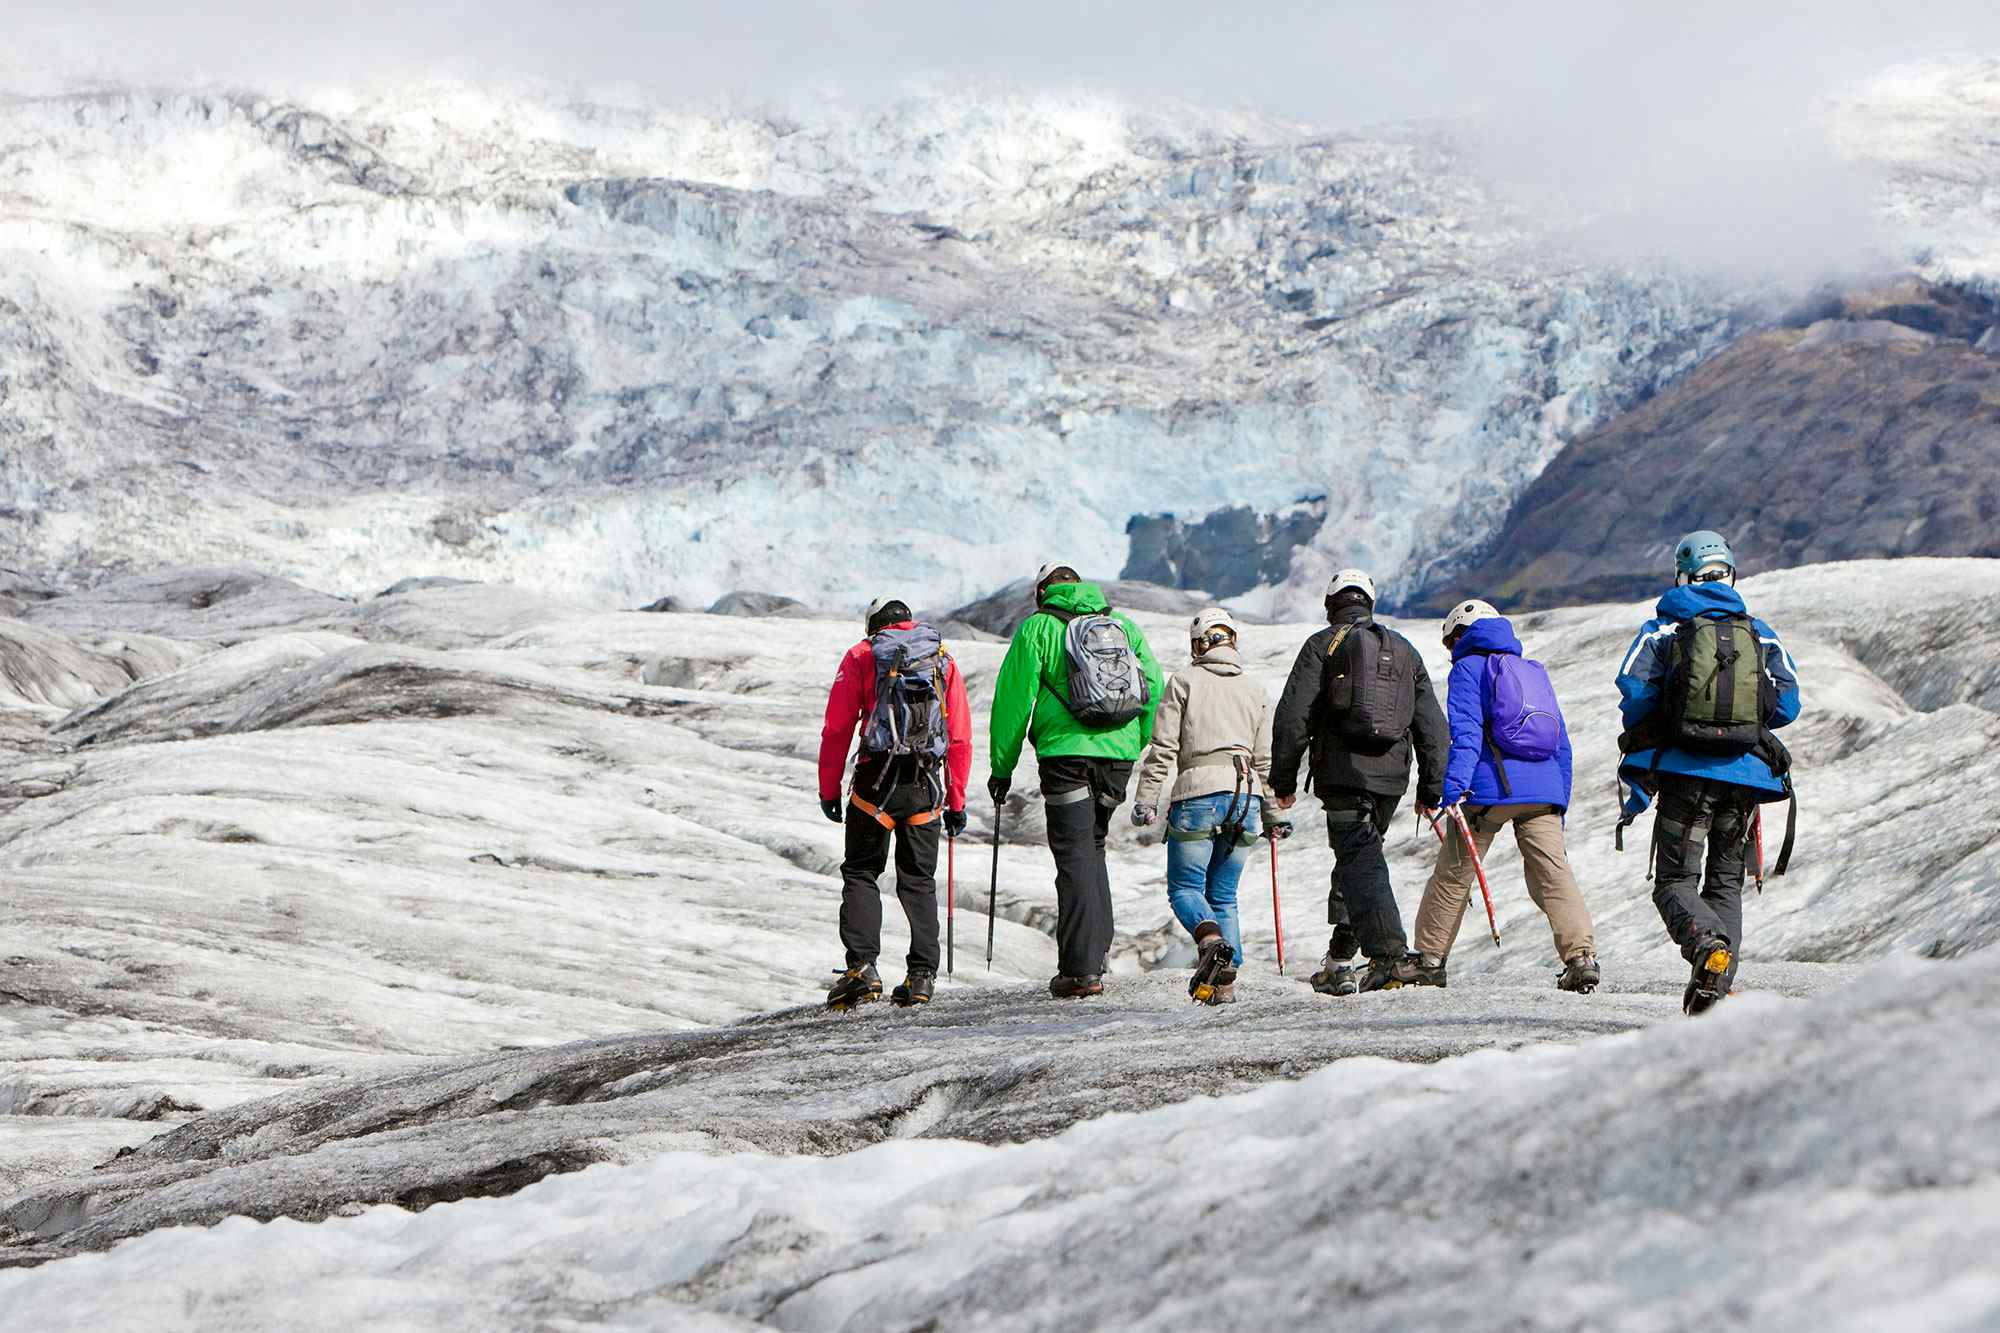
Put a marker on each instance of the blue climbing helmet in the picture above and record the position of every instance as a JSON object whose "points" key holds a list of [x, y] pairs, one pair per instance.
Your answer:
{"points": [[1703, 550]]}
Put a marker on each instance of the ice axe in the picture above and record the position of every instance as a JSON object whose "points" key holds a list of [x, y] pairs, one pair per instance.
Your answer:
{"points": [[1277, 830], [1757, 835], [1472, 850]]}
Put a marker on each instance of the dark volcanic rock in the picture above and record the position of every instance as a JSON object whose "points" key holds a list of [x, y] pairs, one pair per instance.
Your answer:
{"points": [[22, 587], [214, 604], [1229, 552], [1849, 439], [412, 584], [756, 604], [1001, 613], [665, 604]]}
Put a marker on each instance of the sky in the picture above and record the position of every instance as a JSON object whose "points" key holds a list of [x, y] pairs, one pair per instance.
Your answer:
{"points": [[1678, 123]]}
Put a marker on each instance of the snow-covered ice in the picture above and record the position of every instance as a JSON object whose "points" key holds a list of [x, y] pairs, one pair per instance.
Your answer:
{"points": [[413, 864], [1780, 1165]]}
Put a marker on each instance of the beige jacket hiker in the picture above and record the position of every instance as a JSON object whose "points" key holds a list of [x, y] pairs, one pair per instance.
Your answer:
{"points": [[1211, 711]]}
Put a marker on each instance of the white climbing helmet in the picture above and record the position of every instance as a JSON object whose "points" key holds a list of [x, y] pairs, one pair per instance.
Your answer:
{"points": [[1211, 626], [1465, 613], [877, 607], [1352, 578], [1049, 571]]}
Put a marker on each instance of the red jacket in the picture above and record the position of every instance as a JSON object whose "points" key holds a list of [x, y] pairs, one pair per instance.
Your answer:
{"points": [[853, 698]]}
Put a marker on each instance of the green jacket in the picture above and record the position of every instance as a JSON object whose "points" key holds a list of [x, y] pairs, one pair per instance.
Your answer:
{"points": [[1031, 698]]}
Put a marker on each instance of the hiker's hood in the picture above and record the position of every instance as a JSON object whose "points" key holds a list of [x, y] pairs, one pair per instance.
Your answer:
{"points": [[1076, 598], [1222, 659], [1693, 599], [1492, 635]]}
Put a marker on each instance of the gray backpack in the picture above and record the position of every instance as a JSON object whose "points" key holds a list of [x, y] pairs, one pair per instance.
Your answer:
{"points": [[909, 713], [1107, 686]]}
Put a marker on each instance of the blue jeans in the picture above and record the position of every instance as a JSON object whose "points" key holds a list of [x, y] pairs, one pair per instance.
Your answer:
{"points": [[1202, 873]]}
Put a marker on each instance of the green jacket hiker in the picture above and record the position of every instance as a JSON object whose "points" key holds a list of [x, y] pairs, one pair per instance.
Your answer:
{"points": [[1031, 697], [1084, 768]]}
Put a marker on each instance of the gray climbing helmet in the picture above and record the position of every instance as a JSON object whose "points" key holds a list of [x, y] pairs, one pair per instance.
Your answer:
{"points": [[1703, 556]]}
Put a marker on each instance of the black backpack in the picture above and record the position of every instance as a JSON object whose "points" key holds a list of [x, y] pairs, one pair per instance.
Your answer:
{"points": [[1368, 689]]}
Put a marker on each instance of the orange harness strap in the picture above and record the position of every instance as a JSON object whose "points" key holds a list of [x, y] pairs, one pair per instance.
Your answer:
{"points": [[874, 812]]}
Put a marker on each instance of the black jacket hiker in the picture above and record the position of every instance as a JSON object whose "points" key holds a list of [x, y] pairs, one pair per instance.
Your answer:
{"points": [[1361, 791]]}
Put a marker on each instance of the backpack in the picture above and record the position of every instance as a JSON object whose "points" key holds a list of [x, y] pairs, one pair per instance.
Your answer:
{"points": [[1368, 689], [909, 713], [1523, 719], [1107, 686], [1717, 698]]}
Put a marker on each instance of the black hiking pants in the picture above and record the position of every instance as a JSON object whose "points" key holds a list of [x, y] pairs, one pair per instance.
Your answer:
{"points": [[1361, 907], [916, 877], [1701, 845], [1080, 796]]}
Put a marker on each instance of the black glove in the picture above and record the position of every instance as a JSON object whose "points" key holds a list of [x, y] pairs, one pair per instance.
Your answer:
{"points": [[954, 823], [997, 787], [831, 809]]}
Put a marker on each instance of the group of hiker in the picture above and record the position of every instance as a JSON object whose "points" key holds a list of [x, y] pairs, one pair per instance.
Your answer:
{"points": [[1703, 687]]}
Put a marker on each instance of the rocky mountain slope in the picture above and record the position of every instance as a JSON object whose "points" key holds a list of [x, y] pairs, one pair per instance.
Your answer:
{"points": [[1869, 428]]}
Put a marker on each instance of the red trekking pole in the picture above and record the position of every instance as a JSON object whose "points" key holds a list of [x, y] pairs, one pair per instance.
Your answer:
{"points": [[1471, 850], [1278, 829], [950, 898], [1757, 832]]}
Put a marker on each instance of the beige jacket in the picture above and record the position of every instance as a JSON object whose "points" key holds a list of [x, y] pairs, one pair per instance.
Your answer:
{"points": [[1210, 713]]}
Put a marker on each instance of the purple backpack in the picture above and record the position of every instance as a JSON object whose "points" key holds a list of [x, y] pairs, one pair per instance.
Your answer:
{"points": [[1523, 719]]}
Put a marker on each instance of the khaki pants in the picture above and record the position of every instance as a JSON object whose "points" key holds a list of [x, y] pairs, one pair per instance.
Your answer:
{"points": [[1538, 830]]}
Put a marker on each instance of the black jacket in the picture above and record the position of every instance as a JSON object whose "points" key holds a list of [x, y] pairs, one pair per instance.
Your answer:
{"points": [[1298, 727]]}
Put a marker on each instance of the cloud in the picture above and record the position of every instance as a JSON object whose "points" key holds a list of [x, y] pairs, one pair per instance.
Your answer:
{"points": [[1677, 126]]}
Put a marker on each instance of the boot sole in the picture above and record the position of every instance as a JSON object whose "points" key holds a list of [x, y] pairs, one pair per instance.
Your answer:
{"points": [[907, 1001]]}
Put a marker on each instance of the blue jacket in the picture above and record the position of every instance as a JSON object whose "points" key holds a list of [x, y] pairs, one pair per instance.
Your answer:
{"points": [[1470, 772], [1644, 672]]}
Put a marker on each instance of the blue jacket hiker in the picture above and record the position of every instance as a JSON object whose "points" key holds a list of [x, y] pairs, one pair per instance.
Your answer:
{"points": [[1473, 772], [1509, 766], [1702, 689]]}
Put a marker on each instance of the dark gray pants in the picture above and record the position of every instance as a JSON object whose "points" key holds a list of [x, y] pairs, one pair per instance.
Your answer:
{"points": [[1361, 907], [1081, 796], [1701, 844], [916, 879]]}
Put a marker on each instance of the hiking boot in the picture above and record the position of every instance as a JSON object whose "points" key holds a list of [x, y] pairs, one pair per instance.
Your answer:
{"points": [[857, 986], [1335, 978], [1214, 966], [1711, 958], [1390, 973], [1579, 974], [916, 989], [1075, 988], [1224, 994], [1429, 972]]}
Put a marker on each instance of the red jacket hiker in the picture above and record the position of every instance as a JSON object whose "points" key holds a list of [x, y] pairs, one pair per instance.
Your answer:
{"points": [[853, 698]]}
